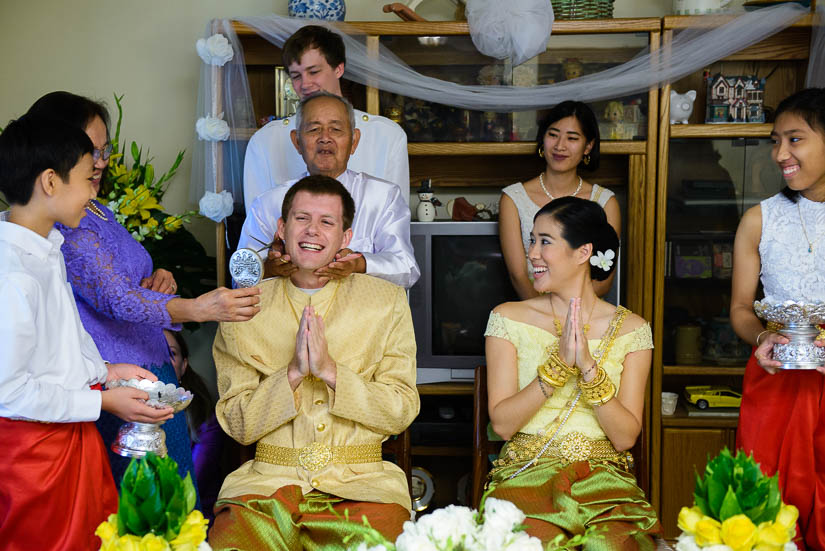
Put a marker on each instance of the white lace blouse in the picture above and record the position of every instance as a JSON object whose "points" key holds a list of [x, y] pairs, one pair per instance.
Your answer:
{"points": [[789, 270]]}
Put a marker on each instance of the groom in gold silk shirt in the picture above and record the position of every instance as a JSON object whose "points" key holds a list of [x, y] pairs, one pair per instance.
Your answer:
{"points": [[318, 379]]}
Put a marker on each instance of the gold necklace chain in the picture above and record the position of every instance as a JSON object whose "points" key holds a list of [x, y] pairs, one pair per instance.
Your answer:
{"points": [[91, 207], [324, 316], [557, 322], [550, 195], [805, 231]]}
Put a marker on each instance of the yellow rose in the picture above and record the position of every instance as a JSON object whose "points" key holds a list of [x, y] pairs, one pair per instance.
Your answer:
{"points": [[688, 518], [787, 517], [107, 530], [129, 542], [739, 533], [771, 536], [151, 542], [708, 532], [192, 533]]}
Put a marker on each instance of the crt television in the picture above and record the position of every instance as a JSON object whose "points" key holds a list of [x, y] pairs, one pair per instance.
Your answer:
{"points": [[463, 277]]}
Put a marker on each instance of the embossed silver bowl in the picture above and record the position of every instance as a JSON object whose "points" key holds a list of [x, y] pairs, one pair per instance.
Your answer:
{"points": [[136, 439], [246, 268], [799, 324]]}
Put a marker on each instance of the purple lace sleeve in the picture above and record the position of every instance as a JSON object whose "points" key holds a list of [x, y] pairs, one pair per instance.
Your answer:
{"points": [[106, 271]]}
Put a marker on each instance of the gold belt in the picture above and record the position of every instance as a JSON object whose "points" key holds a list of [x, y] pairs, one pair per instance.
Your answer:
{"points": [[316, 456], [575, 446]]}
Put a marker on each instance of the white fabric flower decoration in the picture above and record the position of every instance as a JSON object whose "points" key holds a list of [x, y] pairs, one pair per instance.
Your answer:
{"points": [[603, 260], [215, 50], [212, 129], [216, 206]]}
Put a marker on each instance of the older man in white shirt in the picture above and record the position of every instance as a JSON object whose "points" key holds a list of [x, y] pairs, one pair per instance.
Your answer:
{"points": [[326, 138], [315, 57]]}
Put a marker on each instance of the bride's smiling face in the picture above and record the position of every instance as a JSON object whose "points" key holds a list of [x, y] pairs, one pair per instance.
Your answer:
{"points": [[552, 257]]}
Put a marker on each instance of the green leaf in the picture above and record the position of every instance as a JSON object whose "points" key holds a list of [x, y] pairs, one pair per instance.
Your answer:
{"points": [[149, 175], [702, 503], [144, 482], [189, 495], [152, 510], [716, 496], [135, 153], [730, 506]]}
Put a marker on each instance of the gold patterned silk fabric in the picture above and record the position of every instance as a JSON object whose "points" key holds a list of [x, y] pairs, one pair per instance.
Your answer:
{"points": [[370, 336], [531, 344]]}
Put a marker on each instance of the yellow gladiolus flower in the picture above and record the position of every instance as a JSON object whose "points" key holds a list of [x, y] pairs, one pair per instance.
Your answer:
{"points": [[771, 536], [138, 201], [739, 533], [708, 532], [192, 533], [151, 542], [688, 518], [118, 174], [172, 223]]}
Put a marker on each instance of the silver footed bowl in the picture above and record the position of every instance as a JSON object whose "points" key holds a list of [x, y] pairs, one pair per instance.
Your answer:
{"points": [[791, 312], [137, 439], [799, 324]]}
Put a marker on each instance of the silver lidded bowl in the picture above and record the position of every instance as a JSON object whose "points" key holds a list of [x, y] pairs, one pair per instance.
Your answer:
{"points": [[799, 324], [136, 439], [246, 268]]}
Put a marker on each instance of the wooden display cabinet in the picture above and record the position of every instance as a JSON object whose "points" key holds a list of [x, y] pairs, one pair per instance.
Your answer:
{"points": [[708, 175]]}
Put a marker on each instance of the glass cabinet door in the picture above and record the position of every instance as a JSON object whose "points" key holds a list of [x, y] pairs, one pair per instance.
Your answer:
{"points": [[711, 183]]}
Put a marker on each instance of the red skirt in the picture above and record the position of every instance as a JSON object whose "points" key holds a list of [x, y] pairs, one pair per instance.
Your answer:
{"points": [[56, 486], [782, 421]]}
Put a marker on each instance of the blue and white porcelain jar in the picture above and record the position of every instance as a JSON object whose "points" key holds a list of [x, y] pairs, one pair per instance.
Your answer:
{"points": [[330, 10]]}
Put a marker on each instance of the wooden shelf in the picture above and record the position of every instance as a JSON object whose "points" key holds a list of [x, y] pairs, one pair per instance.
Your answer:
{"points": [[445, 389], [675, 22], [447, 28], [702, 370], [443, 451], [618, 147], [682, 419], [744, 130]]}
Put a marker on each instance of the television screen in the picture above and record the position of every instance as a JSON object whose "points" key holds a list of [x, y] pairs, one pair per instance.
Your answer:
{"points": [[469, 279]]}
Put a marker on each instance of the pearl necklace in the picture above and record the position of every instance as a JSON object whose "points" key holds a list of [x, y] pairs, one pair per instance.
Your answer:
{"points": [[550, 195], [91, 207]]}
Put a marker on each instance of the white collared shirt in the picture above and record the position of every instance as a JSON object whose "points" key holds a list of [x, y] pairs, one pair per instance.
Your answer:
{"points": [[380, 230], [271, 158], [47, 359]]}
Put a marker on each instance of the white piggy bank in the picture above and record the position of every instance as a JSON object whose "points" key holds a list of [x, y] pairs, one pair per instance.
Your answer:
{"points": [[681, 106]]}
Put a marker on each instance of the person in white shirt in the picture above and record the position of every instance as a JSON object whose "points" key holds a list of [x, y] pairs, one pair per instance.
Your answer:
{"points": [[54, 461], [326, 138], [315, 57]]}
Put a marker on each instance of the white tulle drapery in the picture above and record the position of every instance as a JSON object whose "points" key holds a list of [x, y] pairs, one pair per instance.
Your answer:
{"points": [[816, 63], [519, 32], [226, 89]]}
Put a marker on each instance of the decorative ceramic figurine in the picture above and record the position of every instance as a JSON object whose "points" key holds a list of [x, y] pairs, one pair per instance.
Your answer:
{"points": [[681, 106], [614, 115], [734, 99], [572, 68], [427, 202], [330, 10]]}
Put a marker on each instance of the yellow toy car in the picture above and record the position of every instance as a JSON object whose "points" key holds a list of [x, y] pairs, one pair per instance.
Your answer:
{"points": [[705, 396]]}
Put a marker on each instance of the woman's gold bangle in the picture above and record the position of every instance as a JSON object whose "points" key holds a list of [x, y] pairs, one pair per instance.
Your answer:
{"points": [[762, 333]]}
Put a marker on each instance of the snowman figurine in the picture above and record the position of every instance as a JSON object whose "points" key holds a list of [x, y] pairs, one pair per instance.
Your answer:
{"points": [[426, 202]]}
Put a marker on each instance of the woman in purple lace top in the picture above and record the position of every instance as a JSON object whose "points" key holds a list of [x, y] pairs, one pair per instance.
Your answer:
{"points": [[123, 303]]}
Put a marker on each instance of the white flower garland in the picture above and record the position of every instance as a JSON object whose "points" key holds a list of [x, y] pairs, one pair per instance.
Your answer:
{"points": [[215, 50], [216, 206], [212, 129]]}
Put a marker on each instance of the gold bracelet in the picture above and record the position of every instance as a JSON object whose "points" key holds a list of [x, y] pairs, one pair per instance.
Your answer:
{"points": [[762, 333], [600, 390], [552, 376]]}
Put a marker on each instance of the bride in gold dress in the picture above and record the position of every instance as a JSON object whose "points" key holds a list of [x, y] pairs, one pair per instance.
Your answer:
{"points": [[566, 378]]}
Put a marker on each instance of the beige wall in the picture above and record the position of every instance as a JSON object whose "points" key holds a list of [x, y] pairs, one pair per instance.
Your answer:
{"points": [[145, 50]]}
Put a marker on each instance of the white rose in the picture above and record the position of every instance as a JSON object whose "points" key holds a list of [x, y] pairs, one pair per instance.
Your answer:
{"points": [[204, 546], [212, 129], [686, 542], [216, 206], [215, 50], [501, 514], [452, 523], [409, 541], [522, 541]]}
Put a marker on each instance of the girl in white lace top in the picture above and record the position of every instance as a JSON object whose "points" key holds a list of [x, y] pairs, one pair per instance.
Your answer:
{"points": [[568, 140], [779, 242]]}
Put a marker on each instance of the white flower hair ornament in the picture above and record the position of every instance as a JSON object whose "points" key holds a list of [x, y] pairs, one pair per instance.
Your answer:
{"points": [[215, 50], [603, 260]]}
